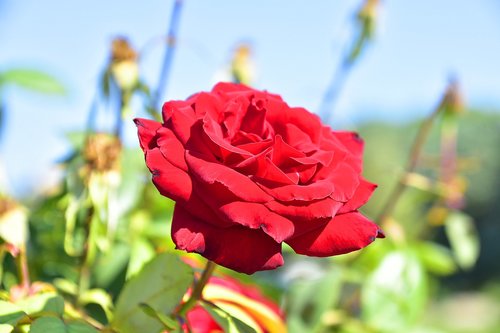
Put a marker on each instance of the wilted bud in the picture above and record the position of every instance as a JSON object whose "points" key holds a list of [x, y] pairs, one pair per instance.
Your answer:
{"points": [[453, 101], [124, 67], [242, 302], [102, 158], [242, 67], [13, 223], [366, 21]]}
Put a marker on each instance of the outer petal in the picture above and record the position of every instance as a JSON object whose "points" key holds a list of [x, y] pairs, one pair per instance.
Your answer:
{"points": [[239, 248], [344, 233], [170, 181], [255, 216], [147, 131], [352, 141], [360, 197]]}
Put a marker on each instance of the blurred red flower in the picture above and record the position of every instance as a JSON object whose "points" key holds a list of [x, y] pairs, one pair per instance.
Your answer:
{"points": [[242, 302]]}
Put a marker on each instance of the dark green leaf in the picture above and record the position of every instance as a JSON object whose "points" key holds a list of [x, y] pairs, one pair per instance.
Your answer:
{"points": [[161, 284], [32, 79], [167, 322], [48, 324], [80, 327]]}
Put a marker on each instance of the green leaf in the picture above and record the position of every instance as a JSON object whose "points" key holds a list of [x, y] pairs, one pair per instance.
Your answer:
{"points": [[100, 297], [395, 294], [10, 313], [80, 327], [161, 284], [32, 79], [228, 323], [48, 324], [46, 302], [167, 322], [436, 258], [464, 239]]}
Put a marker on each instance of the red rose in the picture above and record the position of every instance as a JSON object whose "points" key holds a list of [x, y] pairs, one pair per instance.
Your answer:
{"points": [[248, 172]]}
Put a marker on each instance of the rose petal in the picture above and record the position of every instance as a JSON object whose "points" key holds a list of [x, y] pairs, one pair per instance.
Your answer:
{"points": [[179, 121], [360, 197], [352, 141], [239, 248], [170, 181], [255, 216], [171, 148], [238, 184], [342, 234], [317, 190], [306, 210], [146, 130], [346, 181]]}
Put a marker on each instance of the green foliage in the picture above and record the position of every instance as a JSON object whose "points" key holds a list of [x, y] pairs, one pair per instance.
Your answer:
{"points": [[32, 80], [160, 285]]}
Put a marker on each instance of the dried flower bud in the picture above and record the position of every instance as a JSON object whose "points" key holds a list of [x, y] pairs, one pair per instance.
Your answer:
{"points": [[102, 153], [124, 67]]}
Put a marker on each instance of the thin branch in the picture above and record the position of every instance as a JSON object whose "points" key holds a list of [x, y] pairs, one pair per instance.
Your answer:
{"points": [[413, 159], [169, 54]]}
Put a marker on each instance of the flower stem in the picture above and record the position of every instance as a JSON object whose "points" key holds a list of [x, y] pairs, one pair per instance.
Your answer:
{"points": [[413, 159], [198, 289]]}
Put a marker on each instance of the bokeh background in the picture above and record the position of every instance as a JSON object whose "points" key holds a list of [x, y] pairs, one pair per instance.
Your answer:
{"points": [[294, 49]]}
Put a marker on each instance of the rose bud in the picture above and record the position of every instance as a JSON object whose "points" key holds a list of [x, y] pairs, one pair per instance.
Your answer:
{"points": [[248, 172]]}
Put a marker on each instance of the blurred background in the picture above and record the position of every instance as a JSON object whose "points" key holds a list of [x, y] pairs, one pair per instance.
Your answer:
{"points": [[378, 67]]}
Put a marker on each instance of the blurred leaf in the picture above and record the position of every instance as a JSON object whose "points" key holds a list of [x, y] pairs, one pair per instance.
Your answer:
{"points": [[10, 313], [161, 284], [32, 79], [464, 239], [167, 322], [142, 252], [395, 294], [228, 323], [80, 327], [436, 258], [6, 328], [110, 264], [100, 297], [304, 303], [46, 302], [48, 324]]}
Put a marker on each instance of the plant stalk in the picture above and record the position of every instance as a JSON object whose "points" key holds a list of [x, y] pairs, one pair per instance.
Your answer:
{"points": [[198, 289]]}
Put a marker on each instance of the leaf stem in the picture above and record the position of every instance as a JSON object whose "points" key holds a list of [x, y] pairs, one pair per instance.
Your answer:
{"points": [[198, 289]]}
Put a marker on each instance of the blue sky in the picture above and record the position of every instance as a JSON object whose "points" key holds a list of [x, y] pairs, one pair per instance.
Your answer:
{"points": [[296, 47]]}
